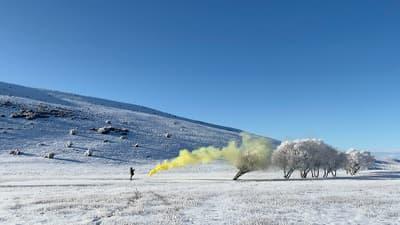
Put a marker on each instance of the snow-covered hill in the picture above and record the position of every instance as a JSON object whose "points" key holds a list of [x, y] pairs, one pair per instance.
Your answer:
{"points": [[38, 121]]}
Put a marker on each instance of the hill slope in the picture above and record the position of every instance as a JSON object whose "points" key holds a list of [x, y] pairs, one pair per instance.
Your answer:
{"points": [[38, 121]]}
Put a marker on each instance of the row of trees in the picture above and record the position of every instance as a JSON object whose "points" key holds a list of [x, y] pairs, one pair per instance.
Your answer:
{"points": [[312, 155]]}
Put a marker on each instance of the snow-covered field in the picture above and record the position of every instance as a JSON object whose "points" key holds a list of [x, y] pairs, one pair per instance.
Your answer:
{"points": [[57, 192], [75, 189]]}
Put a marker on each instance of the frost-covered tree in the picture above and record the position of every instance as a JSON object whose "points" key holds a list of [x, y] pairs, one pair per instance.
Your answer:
{"points": [[357, 160], [311, 155], [253, 154], [313, 152], [308, 155], [285, 158], [332, 161]]}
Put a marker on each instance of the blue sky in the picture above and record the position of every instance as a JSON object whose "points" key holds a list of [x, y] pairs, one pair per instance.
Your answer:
{"points": [[284, 69]]}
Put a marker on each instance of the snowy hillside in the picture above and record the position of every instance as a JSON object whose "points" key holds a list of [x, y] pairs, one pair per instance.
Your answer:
{"points": [[38, 121]]}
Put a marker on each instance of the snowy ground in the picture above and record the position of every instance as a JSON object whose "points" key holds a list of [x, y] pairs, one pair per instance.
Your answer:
{"points": [[58, 192], [75, 189]]}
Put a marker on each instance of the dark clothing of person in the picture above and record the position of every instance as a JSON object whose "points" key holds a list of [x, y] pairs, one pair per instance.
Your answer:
{"points": [[132, 172]]}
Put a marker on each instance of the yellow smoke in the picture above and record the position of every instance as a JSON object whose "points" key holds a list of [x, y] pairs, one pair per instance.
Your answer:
{"points": [[253, 153]]}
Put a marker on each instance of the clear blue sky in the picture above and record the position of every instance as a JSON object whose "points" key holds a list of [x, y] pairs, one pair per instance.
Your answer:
{"points": [[284, 69]]}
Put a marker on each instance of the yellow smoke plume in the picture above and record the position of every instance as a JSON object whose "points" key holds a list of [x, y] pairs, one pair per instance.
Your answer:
{"points": [[254, 153]]}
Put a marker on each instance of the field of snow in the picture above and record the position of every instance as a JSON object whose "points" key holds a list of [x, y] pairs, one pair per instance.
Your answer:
{"points": [[75, 189], [59, 192]]}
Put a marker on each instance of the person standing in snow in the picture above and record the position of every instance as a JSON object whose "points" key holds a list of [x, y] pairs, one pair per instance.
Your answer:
{"points": [[132, 172]]}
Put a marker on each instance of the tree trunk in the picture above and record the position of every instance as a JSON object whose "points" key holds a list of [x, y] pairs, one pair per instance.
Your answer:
{"points": [[355, 170], [325, 173], [289, 173], [240, 173], [306, 172], [316, 173]]}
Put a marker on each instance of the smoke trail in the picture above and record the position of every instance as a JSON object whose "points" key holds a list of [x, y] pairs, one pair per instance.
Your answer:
{"points": [[253, 154]]}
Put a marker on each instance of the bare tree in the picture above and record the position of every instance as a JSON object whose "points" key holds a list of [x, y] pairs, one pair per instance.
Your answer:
{"points": [[283, 158], [308, 156], [357, 160]]}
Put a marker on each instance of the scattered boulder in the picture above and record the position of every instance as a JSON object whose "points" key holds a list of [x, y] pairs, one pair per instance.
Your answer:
{"points": [[69, 144], [88, 152], [40, 144], [110, 129], [73, 132], [28, 114], [41, 111], [136, 145], [103, 130], [168, 135], [49, 155], [108, 121], [6, 103], [15, 152], [123, 137], [2, 115], [106, 141]]}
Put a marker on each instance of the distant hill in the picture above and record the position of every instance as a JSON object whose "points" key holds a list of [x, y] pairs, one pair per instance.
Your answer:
{"points": [[38, 121]]}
